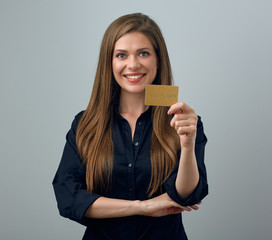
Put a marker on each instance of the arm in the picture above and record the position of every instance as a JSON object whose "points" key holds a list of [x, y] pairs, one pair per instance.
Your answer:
{"points": [[111, 208], [188, 175], [69, 182], [185, 122], [156, 207]]}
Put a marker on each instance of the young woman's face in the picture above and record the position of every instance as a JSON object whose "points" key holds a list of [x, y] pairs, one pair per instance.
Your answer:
{"points": [[134, 62]]}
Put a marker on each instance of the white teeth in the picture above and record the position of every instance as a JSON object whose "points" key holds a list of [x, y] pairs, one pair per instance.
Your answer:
{"points": [[134, 76]]}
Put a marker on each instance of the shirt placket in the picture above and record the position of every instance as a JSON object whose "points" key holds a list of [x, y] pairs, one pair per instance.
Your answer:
{"points": [[133, 148]]}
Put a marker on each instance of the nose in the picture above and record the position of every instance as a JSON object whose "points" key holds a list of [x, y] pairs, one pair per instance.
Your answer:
{"points": [[133, 63]]}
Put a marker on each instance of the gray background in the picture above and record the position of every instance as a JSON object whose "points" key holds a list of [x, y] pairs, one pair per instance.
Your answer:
{"points": [[221, 58]]}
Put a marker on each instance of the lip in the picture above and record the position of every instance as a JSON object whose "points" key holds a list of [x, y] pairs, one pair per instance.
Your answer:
{"points": [[134, 80]]}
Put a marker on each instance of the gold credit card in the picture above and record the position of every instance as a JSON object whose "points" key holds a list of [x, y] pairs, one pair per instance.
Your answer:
{"points": [[161, 95]]}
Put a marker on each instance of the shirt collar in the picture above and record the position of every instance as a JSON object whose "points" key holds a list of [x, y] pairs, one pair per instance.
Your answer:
{"points": [[146, 113]]}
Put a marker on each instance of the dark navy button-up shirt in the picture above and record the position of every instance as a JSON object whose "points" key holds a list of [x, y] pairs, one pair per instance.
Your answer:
{"points": [[131, 177]]}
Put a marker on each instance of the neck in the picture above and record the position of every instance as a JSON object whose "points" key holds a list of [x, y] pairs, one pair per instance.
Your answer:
{"points": [[132, 103]]}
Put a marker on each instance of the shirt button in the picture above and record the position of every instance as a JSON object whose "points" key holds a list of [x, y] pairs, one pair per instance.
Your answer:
{"points": [[136, 144], [130, 165], [140, 123]]}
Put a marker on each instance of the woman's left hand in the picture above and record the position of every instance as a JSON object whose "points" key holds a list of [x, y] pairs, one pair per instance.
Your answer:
{"points": [[185, 123]]}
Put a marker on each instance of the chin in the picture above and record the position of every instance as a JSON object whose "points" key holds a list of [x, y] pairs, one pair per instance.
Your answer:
{"points": [[135, 90]]}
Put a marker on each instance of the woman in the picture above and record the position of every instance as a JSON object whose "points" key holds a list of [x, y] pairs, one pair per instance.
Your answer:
{"points": [[128, 170]]}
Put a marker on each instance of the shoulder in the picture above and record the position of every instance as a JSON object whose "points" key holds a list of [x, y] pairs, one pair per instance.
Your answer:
{"points": [[79, 115], [76, 120]]}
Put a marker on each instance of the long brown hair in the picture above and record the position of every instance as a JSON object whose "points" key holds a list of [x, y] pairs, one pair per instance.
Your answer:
{"points": [[94, 132]]}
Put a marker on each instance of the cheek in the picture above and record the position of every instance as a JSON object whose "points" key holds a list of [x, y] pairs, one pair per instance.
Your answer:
{"points": [[152, 63], [116, 68], [153, 68]]}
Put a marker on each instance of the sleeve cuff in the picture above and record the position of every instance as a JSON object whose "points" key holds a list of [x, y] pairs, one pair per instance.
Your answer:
{"points": [[81, 205], [197, 195]]}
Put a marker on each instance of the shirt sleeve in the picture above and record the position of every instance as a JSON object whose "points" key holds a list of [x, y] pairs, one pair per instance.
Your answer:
{"points": [[201, 190], [69, 182]]}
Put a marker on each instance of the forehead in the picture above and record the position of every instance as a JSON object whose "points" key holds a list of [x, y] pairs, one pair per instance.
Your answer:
{"points": [[133, 41]]}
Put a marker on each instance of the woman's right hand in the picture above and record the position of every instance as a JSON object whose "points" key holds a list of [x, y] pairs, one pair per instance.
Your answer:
{"points": [[163, 205]]}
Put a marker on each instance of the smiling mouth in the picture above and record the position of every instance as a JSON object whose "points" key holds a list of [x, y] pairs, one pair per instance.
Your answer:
{"points": [[134, 76]]}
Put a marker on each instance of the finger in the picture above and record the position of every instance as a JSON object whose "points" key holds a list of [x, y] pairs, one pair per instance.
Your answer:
{"points": [[179, 117], [189, 130], [195, 207], [180, 107], [176, 205], [184, 117], [188, 209], [175, 210], [184, 123]]}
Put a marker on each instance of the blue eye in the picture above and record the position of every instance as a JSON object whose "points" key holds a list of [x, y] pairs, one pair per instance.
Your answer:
{"points": [[121, 55], [144, 54]]}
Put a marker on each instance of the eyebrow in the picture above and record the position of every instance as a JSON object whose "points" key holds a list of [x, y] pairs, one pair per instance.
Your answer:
{"points": [[138, 50]]}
